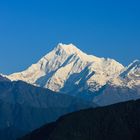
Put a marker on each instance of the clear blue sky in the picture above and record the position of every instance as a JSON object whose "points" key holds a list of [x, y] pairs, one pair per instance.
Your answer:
{"points": [[31, 28]]}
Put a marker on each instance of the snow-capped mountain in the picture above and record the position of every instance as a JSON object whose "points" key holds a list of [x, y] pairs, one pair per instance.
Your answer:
{"points": [[130, 76], [69, 70], [67, 67]]}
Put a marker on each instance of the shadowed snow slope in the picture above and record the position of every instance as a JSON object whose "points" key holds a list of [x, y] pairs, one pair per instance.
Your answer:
{"points": [[3, 78]]}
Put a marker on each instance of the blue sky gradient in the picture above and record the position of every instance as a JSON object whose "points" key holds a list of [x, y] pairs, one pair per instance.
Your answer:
{"points": [[31, 28]]}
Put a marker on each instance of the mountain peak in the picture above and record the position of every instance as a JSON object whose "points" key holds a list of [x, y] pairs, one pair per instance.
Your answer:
{"points": [[68, 48]]}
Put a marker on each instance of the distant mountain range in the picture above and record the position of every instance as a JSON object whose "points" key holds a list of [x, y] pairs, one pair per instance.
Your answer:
{"points": [[68, 70], [24, 107], [116, 122]]}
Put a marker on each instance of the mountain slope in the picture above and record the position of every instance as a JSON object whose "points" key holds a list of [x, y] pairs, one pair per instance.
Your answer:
{"points": [[116, 122]]}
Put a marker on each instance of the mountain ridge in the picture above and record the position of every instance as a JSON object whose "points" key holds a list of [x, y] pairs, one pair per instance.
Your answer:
{"points": [[119, 121]]}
